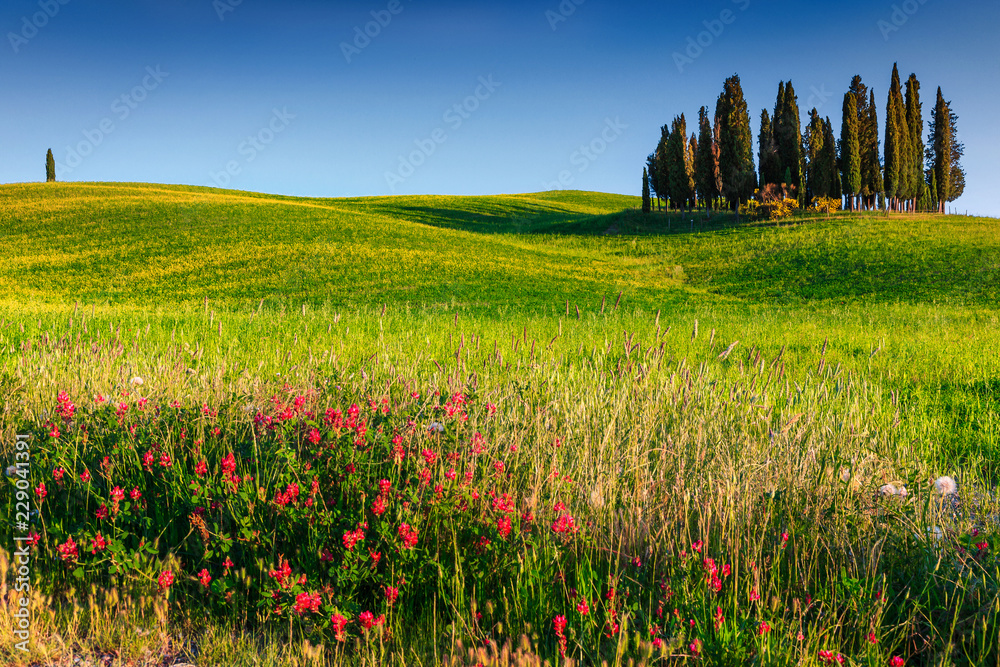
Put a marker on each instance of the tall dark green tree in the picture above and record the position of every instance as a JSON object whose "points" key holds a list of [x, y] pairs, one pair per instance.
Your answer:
{"points": [[940, 149], [690, 158], [767, 156], [898, 146], [651, 178], [788, 136], [736, 166], [829, 159], [706, 165], [850, 151], [957, 151], [662, 182], [645, 191], [915, 124], [820, 158], [50, 167], [872, 182], [681, 181]]}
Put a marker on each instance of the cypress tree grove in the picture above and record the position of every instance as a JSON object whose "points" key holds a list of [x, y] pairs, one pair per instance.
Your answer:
{"points": [[850, 151], [50, 167], [940, 141], [645, 191], [706, 165], [736, 166], [915, 123]]}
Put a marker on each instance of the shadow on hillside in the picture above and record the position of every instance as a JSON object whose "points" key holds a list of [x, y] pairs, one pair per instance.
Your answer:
{"points": [[521, 219]]}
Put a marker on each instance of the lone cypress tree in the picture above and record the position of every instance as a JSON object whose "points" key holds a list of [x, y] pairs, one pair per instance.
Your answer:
{"points": [[706, 166], [690, 158], [941, 148], [645, 191], [50, 168], [735, 144], [850, 151]]}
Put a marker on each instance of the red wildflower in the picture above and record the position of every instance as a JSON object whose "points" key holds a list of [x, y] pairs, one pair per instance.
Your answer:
{"points": [[763, 628], [305, 602], [339, 623], [896, 661], [85, 476], [41, 492], [166, 579], [201, 469], [205, 578], [68, 550], [504, 526], [408, 535], [391, 595], [98, 543]]}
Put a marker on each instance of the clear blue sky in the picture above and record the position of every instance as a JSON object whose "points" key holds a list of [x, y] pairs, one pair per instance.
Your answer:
{"points": [[262, 95]]}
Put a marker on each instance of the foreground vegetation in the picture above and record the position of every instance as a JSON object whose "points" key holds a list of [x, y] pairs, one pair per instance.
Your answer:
{"points": [[703, 484]]}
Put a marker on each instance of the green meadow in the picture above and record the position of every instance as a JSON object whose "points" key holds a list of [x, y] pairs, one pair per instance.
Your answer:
{"points": [[744, 386]]}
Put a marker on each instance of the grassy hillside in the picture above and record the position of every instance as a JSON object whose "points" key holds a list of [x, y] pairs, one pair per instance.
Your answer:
{"points": [[146, 244], [702, 463]]}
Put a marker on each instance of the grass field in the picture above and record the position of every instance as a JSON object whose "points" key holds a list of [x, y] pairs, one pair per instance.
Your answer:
{"points": [[744, 387]]}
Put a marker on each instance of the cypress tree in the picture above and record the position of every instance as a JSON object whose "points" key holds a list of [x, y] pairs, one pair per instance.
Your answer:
{"points": [[897, 143], [662, 184], [817, 183], [770, 166], [915, 123], [706, 166], [651, 178], [829, 158], [940, 141], [957, 150], [50, 167], [735, 144], [689, 163], [872, 182], [645, 191], [681, 181], [788, 136], [932, 193], [850, 150]]}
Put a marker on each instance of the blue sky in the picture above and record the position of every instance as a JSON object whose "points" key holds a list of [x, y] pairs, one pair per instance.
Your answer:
{"points": [[450, 97]]}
